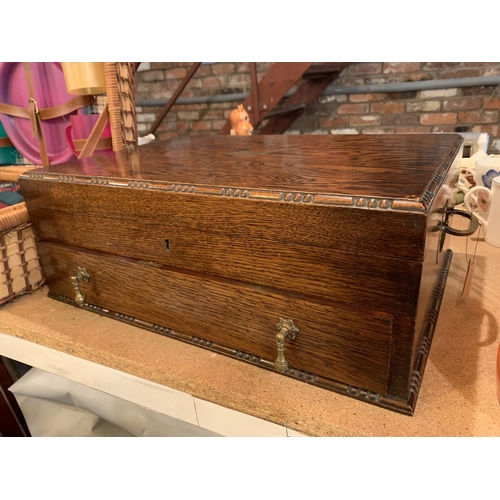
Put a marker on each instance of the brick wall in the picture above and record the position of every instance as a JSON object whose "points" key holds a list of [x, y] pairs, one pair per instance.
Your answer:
{"points": [[467, 109]]}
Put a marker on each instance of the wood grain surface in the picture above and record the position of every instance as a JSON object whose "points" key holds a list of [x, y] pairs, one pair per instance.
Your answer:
{"points": [[102, 213], [387, 166], [357, 278], [382, 283], [345, 344]]}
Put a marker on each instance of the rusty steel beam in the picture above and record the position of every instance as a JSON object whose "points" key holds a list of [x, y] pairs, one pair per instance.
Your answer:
{"points": [[315, 80], [322, 70], [176, 94], [254, 112], [272, 87]]}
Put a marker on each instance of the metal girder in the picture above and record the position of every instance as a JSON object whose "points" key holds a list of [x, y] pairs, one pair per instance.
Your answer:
{"points": [[314, 82], [271, 89], [174, 97]]}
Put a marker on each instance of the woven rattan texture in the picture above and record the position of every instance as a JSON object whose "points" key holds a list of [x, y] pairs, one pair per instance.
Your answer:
{"points": [[20, 268]]}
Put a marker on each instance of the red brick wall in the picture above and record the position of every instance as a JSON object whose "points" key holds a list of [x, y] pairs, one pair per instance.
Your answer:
{"points": [[467, 109]]}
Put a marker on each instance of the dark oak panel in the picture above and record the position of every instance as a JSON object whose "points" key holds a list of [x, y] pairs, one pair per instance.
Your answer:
{"points": [[385, 284], [401, 356], [61, 208], [348, 345]]}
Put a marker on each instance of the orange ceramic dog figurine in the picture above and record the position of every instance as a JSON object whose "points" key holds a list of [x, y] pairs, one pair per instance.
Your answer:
{"points": [[240, 121]]}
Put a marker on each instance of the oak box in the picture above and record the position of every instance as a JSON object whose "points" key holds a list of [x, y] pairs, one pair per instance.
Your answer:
{"points": [[323, 258]]}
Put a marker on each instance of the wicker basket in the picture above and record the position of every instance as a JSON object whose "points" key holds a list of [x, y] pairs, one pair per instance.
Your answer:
{"points": [[20, 269]]}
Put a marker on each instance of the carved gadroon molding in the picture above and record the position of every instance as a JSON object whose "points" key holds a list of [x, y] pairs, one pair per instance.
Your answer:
{"points": [[368, 203], [334, 200], [429, 328]]}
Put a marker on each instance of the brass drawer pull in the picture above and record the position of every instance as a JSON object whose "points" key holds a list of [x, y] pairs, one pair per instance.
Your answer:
{"points": [[286, 328], [81, 275]]}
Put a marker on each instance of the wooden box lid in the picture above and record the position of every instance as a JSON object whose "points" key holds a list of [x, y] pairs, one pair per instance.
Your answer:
{"points": [[364, 194], [398, 171]]}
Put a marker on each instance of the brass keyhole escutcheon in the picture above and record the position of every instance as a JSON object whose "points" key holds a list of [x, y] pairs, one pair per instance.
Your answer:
{"points": [[286, 329], [81, 275]]}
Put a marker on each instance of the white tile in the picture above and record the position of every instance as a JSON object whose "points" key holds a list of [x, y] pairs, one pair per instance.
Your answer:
{"points": [[233, 423], [292, 433], [153, 396]]}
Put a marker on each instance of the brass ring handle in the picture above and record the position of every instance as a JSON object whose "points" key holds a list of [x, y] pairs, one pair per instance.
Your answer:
{"points": [[81, 275], [473, 225], [445, 228], [286, 329]]}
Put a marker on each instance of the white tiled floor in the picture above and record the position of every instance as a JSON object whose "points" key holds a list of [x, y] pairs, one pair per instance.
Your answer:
{"points": [[234, 424], [182, 407], [292, 433]]}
